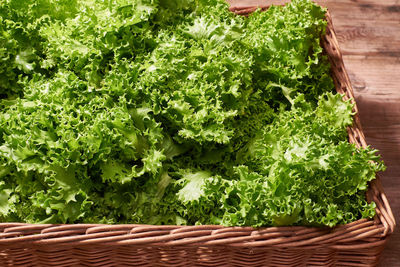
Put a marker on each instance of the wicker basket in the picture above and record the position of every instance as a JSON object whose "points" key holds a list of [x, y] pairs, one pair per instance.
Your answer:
{"points": [[356, 244]]}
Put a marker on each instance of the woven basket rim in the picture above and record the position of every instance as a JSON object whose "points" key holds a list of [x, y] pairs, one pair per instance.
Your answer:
{"points": [[360, 234]]}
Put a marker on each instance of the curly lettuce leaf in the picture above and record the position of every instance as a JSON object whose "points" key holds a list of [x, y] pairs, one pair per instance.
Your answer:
{"points": [[173, 112], [21, 46]]}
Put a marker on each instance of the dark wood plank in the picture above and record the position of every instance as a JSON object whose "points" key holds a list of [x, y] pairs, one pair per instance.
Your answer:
{"points": [[381, 38], [374, 76], [376, 10]]}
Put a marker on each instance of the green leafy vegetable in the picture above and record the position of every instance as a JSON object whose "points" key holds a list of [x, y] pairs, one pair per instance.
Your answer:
{"points": [[173, 112], [21, 46]]}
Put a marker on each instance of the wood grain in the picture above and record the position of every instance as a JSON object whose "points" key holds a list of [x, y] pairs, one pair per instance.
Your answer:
{"points": [[369, 37], [374, 76]]}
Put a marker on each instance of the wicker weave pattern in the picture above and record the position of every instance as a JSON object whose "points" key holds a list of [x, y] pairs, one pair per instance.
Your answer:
{"points": [[356, 244]]}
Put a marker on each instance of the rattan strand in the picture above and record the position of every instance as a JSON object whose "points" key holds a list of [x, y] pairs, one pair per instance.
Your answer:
{"points": [[356, 244]]}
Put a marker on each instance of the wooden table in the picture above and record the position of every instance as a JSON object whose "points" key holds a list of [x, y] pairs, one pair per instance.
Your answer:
{"points": [[369, 37]]}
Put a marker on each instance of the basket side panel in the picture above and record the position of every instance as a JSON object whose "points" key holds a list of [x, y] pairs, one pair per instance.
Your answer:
{"points": [[17, 257], [187, 256]]}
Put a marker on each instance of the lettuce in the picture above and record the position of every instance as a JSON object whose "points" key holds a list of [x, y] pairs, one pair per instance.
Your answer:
{"points": [[21, 46], [173, 112]]}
